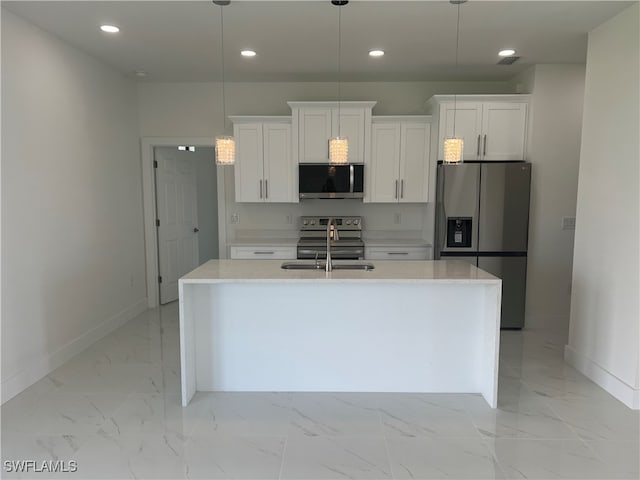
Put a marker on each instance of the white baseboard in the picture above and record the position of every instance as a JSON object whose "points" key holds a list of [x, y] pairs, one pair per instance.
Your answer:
{"points": [[622, 391], [42, 366]]}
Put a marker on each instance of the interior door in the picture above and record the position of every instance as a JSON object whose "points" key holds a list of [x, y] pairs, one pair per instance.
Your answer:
{"points": [[176, 200]]}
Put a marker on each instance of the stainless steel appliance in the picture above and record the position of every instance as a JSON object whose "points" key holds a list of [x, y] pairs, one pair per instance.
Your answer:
{"points": [[346, 245], [482, 216], [331, 181]]}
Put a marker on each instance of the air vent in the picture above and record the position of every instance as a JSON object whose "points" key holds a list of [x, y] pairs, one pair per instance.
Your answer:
{"points": [[508, 60]]}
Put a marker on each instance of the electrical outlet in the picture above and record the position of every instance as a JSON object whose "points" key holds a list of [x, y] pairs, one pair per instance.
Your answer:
{"points": [[397, 218], [235, 218], [568, 223]]}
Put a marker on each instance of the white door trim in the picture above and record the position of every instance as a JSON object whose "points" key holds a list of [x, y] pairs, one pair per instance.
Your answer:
{"points": [[149, 205]]}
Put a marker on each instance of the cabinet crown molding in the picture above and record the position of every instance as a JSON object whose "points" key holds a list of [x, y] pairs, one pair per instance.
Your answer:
{"points": [[259, 118], [494, 97], [333, 104]]}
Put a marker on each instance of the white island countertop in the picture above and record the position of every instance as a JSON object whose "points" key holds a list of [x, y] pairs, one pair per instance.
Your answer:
{"points": [[269, 271], [406, 326]]}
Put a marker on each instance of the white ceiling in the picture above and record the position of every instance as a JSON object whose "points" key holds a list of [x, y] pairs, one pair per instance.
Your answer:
{"points": [[176, 41]]}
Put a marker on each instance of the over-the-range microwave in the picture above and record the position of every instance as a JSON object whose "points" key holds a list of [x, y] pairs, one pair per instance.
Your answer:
{"points": [[321, 180]]}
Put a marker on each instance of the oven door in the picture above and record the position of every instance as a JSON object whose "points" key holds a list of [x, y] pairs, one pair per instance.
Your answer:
{"points": [[337, 253]]}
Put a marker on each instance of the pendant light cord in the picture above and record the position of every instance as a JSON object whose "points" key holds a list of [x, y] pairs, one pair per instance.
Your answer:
{"points": [[457, 44], [339, 66], [224, 106]]}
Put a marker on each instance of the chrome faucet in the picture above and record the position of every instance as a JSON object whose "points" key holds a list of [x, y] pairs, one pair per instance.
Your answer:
{"points": [[330, 222]]}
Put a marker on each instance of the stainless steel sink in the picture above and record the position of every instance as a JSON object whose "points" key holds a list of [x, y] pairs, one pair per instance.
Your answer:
{"points": [[321, 265], [353, 266], [302, 266]]}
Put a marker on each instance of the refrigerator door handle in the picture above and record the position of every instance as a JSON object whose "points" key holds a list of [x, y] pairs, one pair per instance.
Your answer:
{"points": [[396, 188], [478, 147], [484, 152]]}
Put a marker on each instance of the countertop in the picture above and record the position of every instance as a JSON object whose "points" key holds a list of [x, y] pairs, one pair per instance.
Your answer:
{"points": [[387, 271]]}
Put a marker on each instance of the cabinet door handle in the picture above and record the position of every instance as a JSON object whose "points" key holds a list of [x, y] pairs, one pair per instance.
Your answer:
{"points": [[396, 188], [484, 153], [402, 188], [264, 253], [397, 253], [260, 188], [478, 149], [266, 189]]}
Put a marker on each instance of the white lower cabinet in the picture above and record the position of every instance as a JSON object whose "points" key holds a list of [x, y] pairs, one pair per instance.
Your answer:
{"points": [[263, 252], [396, 253]]}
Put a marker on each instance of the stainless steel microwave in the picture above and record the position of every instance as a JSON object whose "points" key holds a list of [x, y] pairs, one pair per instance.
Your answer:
{"points": [[331, 181]]}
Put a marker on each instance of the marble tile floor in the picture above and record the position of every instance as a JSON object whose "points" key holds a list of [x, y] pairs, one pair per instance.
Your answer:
{"points": [[115, 411]]}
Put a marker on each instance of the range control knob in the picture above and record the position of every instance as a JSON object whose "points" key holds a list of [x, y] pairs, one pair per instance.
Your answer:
{"points": [[313, 222], [348, 221], [356, 221], [305, 222]]}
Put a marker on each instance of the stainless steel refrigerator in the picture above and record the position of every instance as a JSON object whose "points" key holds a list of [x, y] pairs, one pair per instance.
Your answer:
{"points": [[482, 216]]}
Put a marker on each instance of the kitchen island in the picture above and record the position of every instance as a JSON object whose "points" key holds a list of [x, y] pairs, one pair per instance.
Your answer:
{"points": [[412, 326]]}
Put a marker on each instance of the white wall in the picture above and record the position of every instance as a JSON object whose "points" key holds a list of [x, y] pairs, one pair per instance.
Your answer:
{"points": [[604, 332], [72, 231], [557, 96], [195, 109]]}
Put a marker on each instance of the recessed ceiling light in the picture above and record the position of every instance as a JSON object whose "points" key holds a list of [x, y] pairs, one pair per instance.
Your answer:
{"points": [[109, 28], [507, 52], [376, 53], [140, 73], [248, 53]]}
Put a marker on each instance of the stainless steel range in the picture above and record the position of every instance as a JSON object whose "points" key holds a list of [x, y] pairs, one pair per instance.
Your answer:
{"points": [[346, 244]]}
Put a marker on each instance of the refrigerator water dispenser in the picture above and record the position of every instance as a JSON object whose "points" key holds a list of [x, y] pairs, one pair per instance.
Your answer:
{"points": [[458, 232]]}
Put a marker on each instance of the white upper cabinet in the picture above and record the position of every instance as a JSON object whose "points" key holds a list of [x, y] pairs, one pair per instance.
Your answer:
{"points": [[399, 167], [315, 123], [264, 169], [493, 127]]}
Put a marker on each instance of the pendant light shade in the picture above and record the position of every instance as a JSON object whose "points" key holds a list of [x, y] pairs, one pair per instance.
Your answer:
{"points": [[338, 150], [225, 150], [225, 144], [339, 145], [454, 145]]}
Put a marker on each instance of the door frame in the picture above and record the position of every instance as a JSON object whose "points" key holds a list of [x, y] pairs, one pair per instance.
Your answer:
{"points": [[149, 205]]}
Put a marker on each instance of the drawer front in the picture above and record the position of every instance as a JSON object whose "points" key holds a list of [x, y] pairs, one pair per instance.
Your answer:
{"points": [[396, 253], [267, 252]]}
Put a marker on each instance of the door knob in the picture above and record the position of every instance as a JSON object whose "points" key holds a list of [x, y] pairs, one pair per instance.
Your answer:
{"points": [[196, 230]]}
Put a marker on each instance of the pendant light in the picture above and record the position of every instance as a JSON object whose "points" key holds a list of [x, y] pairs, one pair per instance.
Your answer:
{"points": [[339, 146], [454, 146], [225, 144]]}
